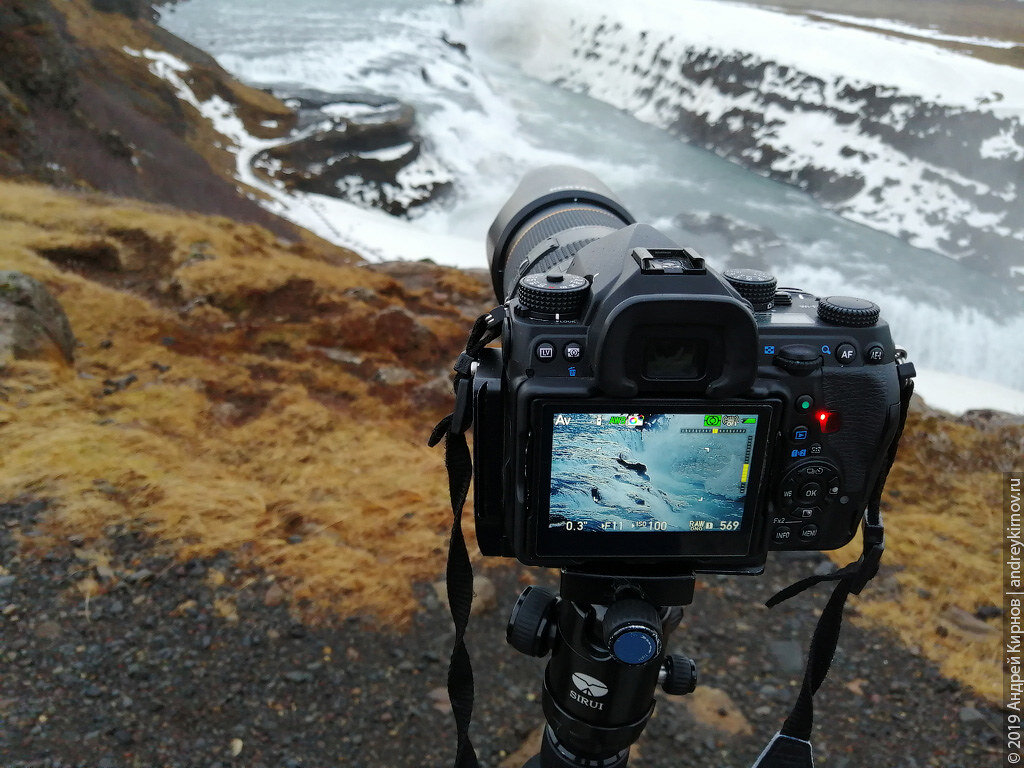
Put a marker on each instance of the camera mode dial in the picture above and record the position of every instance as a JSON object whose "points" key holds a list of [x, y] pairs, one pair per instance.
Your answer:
{"points": [[553, 296], [848, 311], [755, 286], [632, 631]]}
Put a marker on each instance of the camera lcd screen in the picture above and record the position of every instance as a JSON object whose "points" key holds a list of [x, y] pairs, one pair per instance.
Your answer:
{"points": [[649, 472]]}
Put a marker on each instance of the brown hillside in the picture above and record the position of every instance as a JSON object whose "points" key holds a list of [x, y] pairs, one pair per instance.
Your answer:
{"points": [[233, 392], [77, 110]]}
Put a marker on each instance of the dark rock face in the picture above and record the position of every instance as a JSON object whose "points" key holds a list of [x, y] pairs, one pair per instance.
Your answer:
{"points": [[36, 67], [133, 9], [78, 112], [360, 147], [32, 322]]}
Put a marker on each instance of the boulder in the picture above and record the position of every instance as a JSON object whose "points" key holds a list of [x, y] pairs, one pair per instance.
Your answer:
{"points": [[32, 322]]}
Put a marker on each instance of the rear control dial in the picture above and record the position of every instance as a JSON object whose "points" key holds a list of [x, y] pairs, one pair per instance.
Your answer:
{"points": [[848, 311], [553, 296]]}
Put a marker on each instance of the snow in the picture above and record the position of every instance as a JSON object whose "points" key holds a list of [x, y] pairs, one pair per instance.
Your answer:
{"points": [[378, 236], [887, 25], [387, 154], [1002, 147], [957, 394], [374, 234], [538, 30]]}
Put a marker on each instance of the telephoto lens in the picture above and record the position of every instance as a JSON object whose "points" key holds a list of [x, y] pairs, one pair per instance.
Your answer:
{"points": [[553, 213]]}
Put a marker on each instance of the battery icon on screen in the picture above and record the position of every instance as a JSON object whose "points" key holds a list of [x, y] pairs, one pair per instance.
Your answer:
{"points": [[751, 420]]}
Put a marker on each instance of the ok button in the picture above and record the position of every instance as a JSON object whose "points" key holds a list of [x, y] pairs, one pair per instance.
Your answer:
{"points": [[809, 493]]}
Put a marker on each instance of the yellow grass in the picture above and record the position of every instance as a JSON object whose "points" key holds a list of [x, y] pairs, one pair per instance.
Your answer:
{"points": [[176, 454], [943, 515]]}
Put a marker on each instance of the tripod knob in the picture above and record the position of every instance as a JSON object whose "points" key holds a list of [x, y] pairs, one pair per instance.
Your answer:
{"points": [[530, 627], [679, 675], [632, 631]]}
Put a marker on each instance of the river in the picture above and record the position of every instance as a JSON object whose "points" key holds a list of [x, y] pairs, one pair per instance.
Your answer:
{"points": [[486, 123]]}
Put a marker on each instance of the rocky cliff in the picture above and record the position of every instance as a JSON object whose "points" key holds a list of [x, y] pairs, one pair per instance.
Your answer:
{"points": [[75, 110]]}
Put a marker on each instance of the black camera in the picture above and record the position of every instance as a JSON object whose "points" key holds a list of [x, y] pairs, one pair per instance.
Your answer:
{"points": [[648, 415]]}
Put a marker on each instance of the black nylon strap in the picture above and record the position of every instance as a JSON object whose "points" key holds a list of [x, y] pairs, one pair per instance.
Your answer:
{"points": [[791, 747], [459, 570]]}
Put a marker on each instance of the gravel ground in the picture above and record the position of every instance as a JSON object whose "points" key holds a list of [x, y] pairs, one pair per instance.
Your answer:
{"points": [[170, 667]]}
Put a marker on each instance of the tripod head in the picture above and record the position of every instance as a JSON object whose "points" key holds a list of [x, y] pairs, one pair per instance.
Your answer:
{"points": [[606, 635]]}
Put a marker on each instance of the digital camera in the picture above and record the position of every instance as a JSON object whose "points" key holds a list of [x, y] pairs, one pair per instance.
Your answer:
{"points": [[648, 415]]}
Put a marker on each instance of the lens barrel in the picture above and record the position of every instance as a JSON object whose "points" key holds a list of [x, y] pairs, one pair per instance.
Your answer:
{"points": [[554, 212]]}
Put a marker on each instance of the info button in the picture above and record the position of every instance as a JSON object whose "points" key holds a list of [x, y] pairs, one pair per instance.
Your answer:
{"points": [[782, 533]]}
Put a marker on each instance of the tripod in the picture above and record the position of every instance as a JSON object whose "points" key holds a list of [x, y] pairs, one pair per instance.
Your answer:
{"points": [[606, 635]]}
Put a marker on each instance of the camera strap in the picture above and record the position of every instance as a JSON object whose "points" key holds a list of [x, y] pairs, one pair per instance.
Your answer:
{"points": [[459, 571], [791, 746]]}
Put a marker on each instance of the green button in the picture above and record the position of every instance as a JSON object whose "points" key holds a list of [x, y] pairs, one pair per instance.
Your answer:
{"points": [[804, 403]]}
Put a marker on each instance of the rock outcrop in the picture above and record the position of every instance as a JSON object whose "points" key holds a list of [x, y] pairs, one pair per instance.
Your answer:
{"points": [[360, 147], [32, 322]]}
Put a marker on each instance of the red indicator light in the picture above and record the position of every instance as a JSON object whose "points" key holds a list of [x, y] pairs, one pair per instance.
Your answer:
{"points": [[828, 421]]}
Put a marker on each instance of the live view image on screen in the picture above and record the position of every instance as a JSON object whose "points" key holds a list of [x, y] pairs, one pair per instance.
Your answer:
{"points": [[650, 472]]}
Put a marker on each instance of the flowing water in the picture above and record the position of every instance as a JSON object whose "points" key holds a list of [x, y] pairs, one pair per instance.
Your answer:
{"points": [[488, 123]]}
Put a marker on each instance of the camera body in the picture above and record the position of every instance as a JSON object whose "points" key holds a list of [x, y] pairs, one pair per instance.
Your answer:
{"points": [[647, 415]]}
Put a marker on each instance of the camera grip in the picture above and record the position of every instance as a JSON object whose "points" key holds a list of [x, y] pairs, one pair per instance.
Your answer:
{"points": [[867, 397]]}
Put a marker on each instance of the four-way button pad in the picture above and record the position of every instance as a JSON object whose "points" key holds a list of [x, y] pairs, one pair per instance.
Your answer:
{"points": [[805, 490]]}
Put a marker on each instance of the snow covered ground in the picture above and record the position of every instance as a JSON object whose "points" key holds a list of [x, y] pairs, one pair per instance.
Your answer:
{"points": [[369, 231], [957, 394]]}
